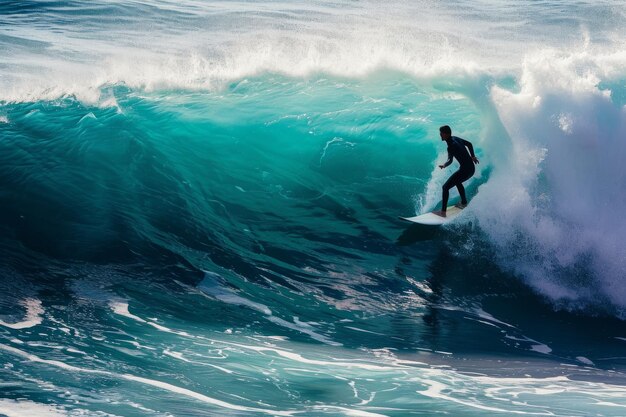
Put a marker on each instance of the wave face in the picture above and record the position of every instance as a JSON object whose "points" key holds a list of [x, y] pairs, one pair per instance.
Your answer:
{"points": [[196, 195]]}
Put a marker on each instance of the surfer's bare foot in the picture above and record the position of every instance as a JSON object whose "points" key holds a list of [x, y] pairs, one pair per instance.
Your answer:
{"points": [[440, 213], [460, 205]]}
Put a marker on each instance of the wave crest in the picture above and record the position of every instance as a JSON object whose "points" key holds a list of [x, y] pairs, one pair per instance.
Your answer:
{"points": [[553, 208]]}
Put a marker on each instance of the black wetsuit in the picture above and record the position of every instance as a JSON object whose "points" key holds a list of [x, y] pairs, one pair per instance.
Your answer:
{"points": [[457, 149]]}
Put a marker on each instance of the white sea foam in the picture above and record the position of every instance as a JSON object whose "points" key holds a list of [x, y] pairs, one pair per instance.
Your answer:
{"points": [[553, 206], [503, 394], [179, 356], [33, 316], [347, 411], [308, 330], [584, 360], [425, 39], [121, 308], [146, 381], [25, 408], [353, 50], [361, 372]]}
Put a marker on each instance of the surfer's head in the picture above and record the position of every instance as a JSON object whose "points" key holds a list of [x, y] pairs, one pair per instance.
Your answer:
{"points": [[445, 132]]}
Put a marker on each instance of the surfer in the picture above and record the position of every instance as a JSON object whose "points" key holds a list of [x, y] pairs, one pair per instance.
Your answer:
{"points": [[457, 148]]}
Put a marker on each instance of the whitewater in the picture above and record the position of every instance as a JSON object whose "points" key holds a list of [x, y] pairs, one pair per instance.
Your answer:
{"points": [[199, 208]]}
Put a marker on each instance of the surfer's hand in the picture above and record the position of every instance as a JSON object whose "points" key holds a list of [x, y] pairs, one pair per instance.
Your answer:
{"points": [[476, 161]]}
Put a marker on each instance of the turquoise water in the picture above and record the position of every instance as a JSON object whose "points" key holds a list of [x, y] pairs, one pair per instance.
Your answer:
{"points": [[199, 209]]}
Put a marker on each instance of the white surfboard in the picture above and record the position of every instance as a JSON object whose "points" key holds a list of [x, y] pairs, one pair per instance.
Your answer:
{"points": [[433, 219]]}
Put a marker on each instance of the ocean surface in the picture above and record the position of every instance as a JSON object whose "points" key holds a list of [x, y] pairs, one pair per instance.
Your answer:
{"points": [[199, 208]]}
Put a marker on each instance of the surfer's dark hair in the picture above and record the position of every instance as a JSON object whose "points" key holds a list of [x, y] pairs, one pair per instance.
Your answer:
{"points": [[445, 129]]}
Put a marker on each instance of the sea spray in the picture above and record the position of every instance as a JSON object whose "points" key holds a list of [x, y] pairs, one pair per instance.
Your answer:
{"points": [[561, 194]]}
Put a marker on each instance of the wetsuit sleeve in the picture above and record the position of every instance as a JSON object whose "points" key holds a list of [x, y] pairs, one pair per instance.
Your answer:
{"points": [[469, 146], [449, 161]]}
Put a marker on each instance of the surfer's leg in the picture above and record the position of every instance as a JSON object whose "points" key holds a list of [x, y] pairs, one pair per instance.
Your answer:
{"points": [[463, 176], [452, 181], [444, 199], [459, 186]]}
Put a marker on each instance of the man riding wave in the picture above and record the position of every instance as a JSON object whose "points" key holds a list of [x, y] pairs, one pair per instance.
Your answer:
{"points": [[457, 149]]}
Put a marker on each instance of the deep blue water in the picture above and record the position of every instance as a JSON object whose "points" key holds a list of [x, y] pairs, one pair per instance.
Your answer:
{"points": [[199, 209]]}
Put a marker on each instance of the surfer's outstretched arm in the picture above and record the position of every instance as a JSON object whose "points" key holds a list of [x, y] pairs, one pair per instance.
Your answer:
{"points": [[448, 162]]}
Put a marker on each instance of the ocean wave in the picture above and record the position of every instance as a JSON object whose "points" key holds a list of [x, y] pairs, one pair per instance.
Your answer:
{"points": [[552, 207], [546, 122], [144, 46]]}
